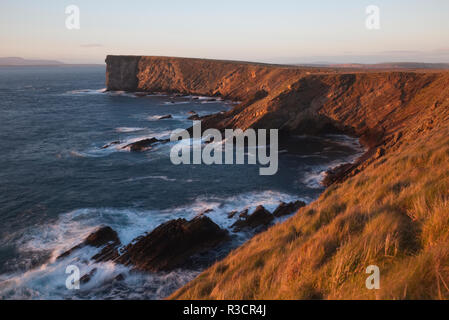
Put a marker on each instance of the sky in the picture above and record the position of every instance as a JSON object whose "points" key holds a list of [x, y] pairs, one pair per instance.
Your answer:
{"points": [[281, 31]]}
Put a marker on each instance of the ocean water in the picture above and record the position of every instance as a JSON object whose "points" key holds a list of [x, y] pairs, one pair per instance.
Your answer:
{"points": [[57, 184]]}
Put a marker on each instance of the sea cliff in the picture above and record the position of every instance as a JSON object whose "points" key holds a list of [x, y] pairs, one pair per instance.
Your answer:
{"points": [[390, 208]]}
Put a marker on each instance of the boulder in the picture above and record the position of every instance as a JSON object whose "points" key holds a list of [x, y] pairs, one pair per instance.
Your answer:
{"points": [[168, 116], [261, 217], [172, 243], [104, 236], [285, 209], [110, 144], [141, 145]]}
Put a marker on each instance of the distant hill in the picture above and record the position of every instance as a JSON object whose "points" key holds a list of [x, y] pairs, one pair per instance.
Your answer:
{"points": [[16, 61]]}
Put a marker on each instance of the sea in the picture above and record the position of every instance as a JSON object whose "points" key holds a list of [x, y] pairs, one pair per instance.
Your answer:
{"points": [[58, 183]]}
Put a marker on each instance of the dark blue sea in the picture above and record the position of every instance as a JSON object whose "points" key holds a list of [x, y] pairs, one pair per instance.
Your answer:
{"points": [[57, 184]]}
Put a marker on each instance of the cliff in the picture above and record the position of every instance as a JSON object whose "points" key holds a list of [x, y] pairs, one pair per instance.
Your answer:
{"points": [[389, 209]]}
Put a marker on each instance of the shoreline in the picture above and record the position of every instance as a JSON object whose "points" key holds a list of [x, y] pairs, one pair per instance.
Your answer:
{"points": [[356, 158]]}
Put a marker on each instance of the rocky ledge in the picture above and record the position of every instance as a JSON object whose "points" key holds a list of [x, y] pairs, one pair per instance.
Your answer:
{"points": [[172, 244]]}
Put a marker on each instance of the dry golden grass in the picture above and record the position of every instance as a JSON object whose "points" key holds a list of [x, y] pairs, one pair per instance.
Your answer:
{"points": [[394, 214]]}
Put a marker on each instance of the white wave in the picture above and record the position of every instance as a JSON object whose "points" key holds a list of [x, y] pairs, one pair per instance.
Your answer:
{"points": [[165, 178], [121, 94], [86, 91], [314, 176], [314, 180], [48, 280], [129, 129], [176, 102]]}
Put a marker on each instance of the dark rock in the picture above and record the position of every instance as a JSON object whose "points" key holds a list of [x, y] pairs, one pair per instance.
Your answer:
{"points": [[120, 277], [110, 144], [232, 214], [108, 253], [336, 174], [194, 117], [172, 243], [261, 217], [103, 236], [205, 212], [244, 214], [168, 116], [285, 209], [86, 278], [141, 145]]}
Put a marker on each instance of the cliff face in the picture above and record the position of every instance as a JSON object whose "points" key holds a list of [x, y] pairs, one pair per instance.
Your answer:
{"points": [[378, 107], [391, 209], [294, 99]]}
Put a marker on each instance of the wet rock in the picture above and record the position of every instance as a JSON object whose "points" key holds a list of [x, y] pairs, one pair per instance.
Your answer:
{"points": [[108, 253], [232, 214], [101, 237], [104, 236], [285, 209], [172, 243], [110, 144], [261, 217], [205, 212], [168, 116], [141, 145], [86, 278], [244, 214], [337, 174], [194, 117]]}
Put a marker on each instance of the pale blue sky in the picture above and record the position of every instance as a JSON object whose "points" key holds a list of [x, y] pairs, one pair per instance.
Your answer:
{"points": [[272, 31]]}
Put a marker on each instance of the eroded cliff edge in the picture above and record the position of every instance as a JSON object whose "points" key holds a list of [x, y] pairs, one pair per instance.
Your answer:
{"points": [[378, 107]]}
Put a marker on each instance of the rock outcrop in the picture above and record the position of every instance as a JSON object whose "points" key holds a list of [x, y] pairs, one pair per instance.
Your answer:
{"points": [[168, 246], [104, 236], [260, 218], [141, 145], [172, 243], [286, 209]]}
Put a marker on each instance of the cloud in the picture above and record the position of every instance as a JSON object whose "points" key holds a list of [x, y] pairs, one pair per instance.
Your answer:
{"points": [[91, 45]]}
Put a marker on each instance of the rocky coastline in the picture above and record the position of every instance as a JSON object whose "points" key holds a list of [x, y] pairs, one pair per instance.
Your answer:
{"points": [[381, 108]]}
